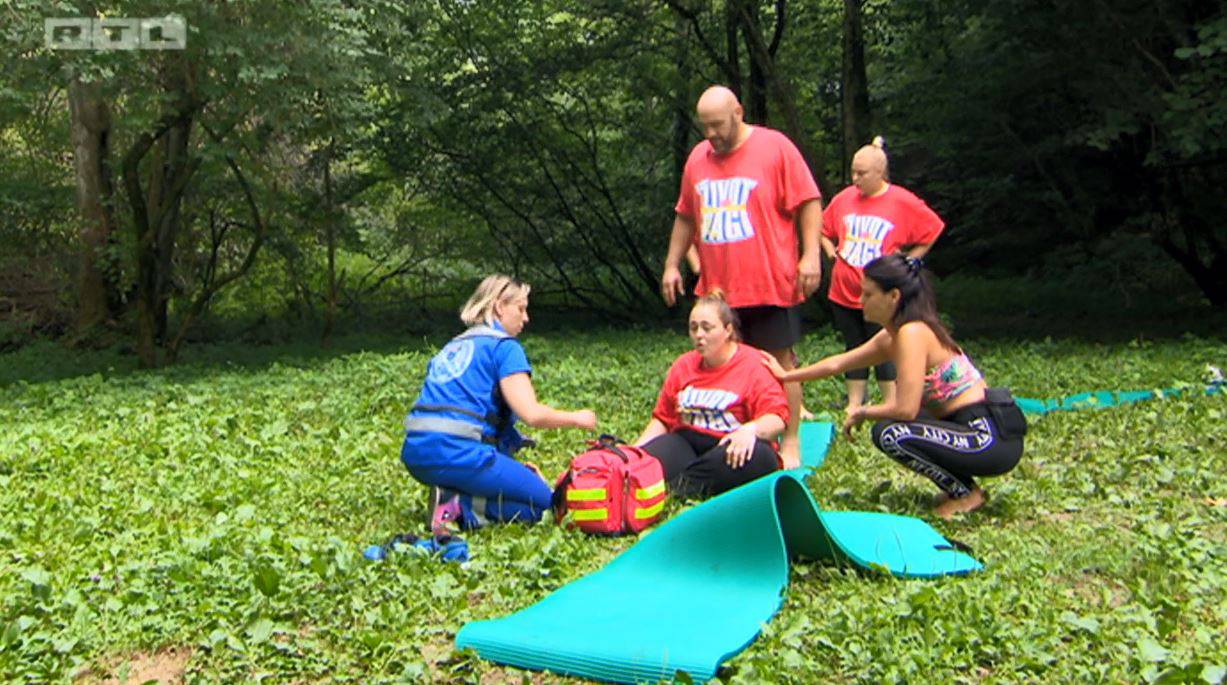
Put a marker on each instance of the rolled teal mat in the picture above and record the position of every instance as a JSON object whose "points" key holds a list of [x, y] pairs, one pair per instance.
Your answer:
{"points": [[816, 437], [699, 589], [1104, 398]]}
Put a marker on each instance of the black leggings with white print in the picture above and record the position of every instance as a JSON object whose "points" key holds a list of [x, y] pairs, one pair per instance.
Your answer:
{"points": [[950, 451]]}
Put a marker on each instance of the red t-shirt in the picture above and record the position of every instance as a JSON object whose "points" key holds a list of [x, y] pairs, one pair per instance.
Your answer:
{"points": [[717, 401], [743, 205], [865, 228]]}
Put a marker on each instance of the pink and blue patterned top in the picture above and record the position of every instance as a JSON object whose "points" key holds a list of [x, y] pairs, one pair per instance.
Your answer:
{"points": [[950, 379]]}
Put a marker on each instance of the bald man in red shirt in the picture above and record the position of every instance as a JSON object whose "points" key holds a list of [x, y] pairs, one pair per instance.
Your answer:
{"points": [[746, 192]]}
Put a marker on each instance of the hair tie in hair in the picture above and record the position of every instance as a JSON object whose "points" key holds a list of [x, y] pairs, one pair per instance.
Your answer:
{"points": [[914, 264]]}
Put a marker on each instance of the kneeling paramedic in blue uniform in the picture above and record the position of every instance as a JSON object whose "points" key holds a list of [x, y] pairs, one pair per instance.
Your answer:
{"points": [[460, 435]]}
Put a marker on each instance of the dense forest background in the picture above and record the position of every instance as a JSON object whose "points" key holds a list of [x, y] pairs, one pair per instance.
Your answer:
{"points": [[329, 165]]}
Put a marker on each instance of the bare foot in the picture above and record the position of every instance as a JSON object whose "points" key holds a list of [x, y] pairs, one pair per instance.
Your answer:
{"points": [[790, 452], [961, 505]]}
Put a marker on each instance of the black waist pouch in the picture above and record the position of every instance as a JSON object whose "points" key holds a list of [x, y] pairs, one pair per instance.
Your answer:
{"points": [[1006, 415]]}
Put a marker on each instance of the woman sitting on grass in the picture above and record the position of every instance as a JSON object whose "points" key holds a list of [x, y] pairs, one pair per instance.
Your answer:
{"points": [[460, 434], [964, 428], [719, 411]]}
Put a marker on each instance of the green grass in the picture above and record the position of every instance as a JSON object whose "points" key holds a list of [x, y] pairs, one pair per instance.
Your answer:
{"points": [[220, 507]]}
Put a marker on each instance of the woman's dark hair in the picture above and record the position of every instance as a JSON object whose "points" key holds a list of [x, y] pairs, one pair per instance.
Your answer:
{"points": [[916, 299]]}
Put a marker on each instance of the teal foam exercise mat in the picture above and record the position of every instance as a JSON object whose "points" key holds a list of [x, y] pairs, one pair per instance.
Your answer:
{"points": [[1107, 398], [815, 437], [699, 589]]}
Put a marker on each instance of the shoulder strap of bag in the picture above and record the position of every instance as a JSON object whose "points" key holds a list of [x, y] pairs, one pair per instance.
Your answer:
{"points": [[558, 497]]}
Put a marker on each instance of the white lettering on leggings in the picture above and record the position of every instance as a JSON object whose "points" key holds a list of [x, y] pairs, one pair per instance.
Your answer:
{"points": [[895, 437]]}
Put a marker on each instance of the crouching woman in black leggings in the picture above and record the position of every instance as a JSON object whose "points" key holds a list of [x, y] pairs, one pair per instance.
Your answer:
{"points": [[944, 422]]}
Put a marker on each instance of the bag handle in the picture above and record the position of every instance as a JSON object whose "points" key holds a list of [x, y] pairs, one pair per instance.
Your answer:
{"points": [[610, 442]]}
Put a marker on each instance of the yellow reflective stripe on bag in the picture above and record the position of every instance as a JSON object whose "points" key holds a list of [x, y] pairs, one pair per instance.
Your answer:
{"points": [[650, 491], [589, 514], [589, 495], [649, 512]]}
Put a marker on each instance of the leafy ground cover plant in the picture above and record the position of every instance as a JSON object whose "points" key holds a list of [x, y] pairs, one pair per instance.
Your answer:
{"points": [[216, 512]]}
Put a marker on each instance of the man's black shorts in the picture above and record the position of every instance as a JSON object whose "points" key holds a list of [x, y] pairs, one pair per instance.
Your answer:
{"points": [[770, 328]]}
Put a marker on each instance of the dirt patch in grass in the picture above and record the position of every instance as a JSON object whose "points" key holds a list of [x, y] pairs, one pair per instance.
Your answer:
{"points": [[438, 655], [165, 666], [1059, 519], [501, 676], [1097, 591]]}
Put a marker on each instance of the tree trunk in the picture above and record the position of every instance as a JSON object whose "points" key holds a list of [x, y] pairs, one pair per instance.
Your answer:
{"points": [[782, 94], [155, 209], [175, 153], [1210, 277], [855, 91], [1180, 229], [682, 103], [732, 56], [91, 131], [756, 90], [330, 236], [155, 222]]}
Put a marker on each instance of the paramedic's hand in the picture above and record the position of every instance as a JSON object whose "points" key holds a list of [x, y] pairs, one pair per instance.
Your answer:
{"points": [[585, 419], [852, 418], [671, 285], [740, 445], [773, 365]]}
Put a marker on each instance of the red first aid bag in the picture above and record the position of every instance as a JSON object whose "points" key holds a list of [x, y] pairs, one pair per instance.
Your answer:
{"points": [[611, 489]]}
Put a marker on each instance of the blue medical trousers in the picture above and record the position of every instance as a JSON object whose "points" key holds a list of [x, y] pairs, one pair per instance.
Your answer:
{"points": [[492, 485]]}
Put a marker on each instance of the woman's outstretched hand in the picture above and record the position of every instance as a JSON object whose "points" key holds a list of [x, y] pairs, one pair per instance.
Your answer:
{"points": [[773, 365], [585, 419]]}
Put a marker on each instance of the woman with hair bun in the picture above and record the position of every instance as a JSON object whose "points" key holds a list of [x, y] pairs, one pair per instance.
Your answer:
{"points": [[943, 422], [719, 411], [460, 434], [868, 219]]}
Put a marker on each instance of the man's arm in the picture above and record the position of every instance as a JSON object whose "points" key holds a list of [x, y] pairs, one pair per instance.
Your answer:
{"points": [[692, 259], [809, 269], [682, 238]]}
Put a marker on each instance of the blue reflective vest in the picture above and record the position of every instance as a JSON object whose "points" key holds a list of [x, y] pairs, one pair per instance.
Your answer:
{"points": [[461, 396]]}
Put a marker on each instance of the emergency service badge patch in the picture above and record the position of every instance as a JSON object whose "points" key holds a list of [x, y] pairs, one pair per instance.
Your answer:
{"points": [[452, 361]]}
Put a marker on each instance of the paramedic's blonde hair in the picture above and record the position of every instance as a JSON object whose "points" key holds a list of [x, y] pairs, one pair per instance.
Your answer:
{"points": [[491, 291]]}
